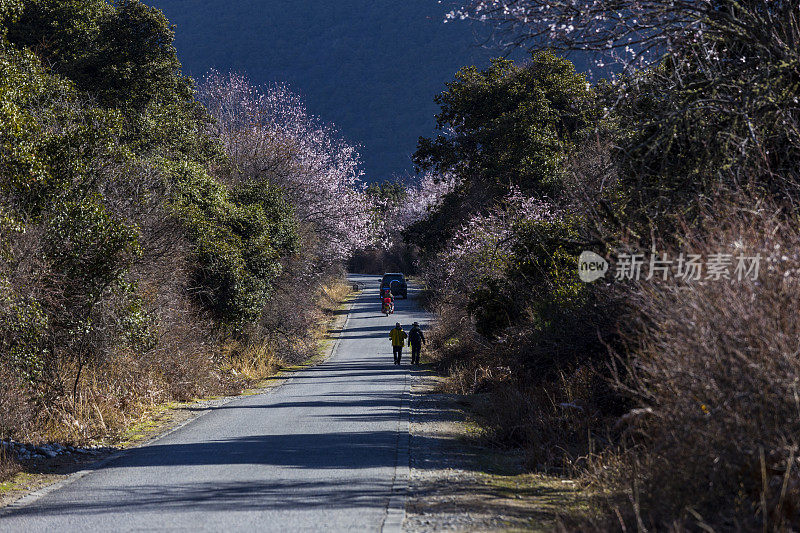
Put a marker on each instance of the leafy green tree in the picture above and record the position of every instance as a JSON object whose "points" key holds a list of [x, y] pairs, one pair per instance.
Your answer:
{"points": [[68, 250], [239, 240], [390, 192], [92, 102], [509, 126], [121, 52]]}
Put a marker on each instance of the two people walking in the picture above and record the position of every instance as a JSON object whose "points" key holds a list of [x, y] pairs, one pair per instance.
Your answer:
{"points": [[415, 340]]}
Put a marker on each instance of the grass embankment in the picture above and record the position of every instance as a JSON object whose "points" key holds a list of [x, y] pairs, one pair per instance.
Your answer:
{"points": [[241, 368], [528, 497], [463, 476]]}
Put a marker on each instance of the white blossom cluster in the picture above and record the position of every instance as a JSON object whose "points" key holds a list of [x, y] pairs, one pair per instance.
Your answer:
{"points": [[419, 200], [630, 33], [269, 135], [481, 247]]}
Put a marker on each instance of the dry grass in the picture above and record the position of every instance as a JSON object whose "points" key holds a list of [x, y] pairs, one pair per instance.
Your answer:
{"points": [[15, 416], [8, 466], [717, 366], [188, 362], [16, 409], [708, 431], [116, 395], [332, 294], [557, 421], [253, 362], [557, 424]]}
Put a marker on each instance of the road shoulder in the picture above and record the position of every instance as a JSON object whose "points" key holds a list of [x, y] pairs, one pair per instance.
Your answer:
{"points": [[458, 484]]}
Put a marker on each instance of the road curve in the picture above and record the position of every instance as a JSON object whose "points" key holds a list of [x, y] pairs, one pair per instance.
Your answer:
{"points": [[327, 450]]}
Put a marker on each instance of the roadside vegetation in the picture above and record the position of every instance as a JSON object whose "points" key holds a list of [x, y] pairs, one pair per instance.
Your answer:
{"points": [[160, 240], [393, 206], [163, 239], [673, 395]]}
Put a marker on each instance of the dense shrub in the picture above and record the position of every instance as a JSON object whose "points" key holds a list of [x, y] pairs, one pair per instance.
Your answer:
{"points": [[699, 137], [514, 320], [506, 127], [270, 138], [715, 363], [394, 207], [66, 257], [239, 238], [137, 244]]}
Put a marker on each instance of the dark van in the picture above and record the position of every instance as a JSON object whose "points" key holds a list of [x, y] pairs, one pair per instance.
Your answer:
{"points": [[396, 282]]}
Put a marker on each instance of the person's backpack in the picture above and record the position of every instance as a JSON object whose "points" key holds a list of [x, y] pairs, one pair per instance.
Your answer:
{"points": [[415, 336]]}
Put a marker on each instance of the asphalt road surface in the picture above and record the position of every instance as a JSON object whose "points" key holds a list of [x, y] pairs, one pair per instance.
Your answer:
{"points": [[326, 451]]}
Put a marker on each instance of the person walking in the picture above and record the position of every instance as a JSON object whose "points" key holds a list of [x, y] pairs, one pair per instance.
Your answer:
{"points": [[415, 339], [398, 337]]}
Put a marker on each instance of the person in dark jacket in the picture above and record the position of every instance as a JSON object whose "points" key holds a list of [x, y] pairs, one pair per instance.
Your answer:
{"points": [[415, 339]]}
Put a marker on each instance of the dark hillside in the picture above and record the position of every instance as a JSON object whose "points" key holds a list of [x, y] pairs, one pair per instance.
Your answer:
{"points": [[371, 67]]}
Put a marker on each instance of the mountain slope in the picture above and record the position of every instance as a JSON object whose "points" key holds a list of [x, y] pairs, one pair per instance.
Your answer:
{"points": [[370, 67]]}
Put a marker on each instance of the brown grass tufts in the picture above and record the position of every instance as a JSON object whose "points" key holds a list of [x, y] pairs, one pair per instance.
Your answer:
{"points": [[717, 364]]}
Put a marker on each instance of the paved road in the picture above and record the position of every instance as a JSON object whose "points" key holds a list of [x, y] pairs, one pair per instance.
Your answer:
{"points": [[328, 450]]}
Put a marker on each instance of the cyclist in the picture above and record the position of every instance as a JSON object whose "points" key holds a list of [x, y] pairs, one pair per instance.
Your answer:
{"points": [[388, 302]]}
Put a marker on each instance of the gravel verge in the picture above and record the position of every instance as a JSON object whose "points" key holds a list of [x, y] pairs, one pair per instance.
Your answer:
{"points": [[458, 484]]}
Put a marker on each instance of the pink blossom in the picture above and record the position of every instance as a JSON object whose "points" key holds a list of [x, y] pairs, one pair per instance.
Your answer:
{"points": [[419, 200], [630, 33], [269, 135], [482, 246]]}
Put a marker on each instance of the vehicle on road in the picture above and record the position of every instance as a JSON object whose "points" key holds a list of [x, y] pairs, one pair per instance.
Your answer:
{"points": [[395, 282], [387, 306]]}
